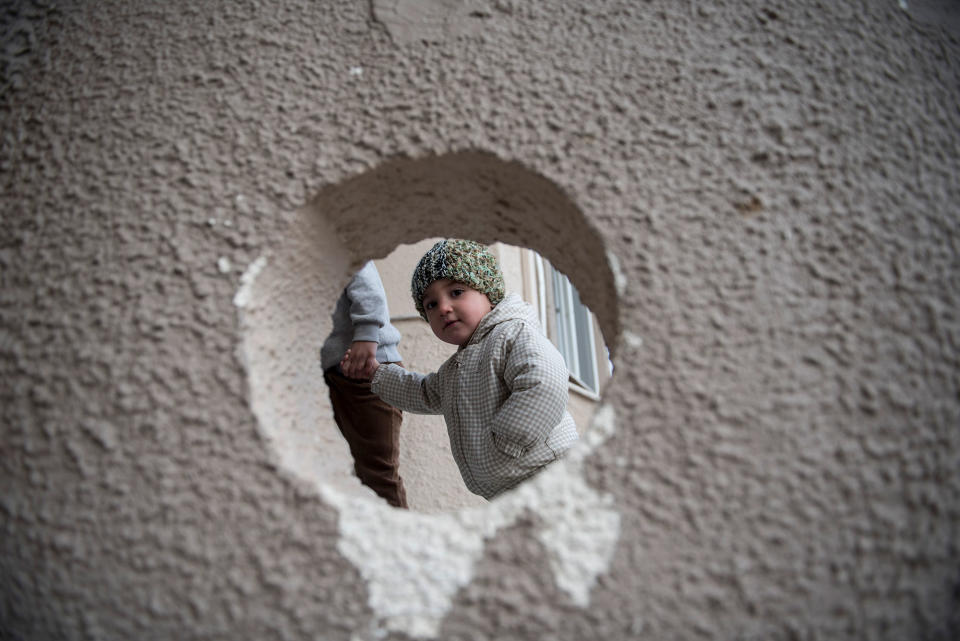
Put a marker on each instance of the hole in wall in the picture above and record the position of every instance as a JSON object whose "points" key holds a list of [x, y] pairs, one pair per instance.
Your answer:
{"points": [[288, 295]]}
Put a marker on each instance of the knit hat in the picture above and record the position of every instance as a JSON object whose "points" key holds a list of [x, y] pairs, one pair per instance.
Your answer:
{"points": [[464, 261]]}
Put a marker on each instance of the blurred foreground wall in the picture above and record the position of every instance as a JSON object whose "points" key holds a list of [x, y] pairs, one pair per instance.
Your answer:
{"points": [[757, 199]]}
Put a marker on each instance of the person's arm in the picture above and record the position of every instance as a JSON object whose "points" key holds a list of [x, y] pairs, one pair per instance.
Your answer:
{"points": [[368, 314], [368, 300], [368, 304], [537, 376], [409, 391]]}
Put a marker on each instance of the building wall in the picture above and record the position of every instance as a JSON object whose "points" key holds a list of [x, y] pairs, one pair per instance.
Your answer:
{"points": [[757, 199]]}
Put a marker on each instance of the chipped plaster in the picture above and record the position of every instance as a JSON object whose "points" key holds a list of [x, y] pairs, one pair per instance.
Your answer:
{"points": [[414, 563]]}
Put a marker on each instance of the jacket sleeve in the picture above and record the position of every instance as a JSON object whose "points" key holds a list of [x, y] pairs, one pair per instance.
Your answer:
{"points": [[410, 391], [368, 304], [536, 376]]}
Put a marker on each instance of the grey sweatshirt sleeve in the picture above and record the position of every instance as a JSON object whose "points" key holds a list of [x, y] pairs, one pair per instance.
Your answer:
{"points": [[361, 314], [368, 304]]}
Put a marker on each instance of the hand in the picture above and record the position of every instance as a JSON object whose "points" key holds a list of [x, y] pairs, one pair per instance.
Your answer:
{"points": [[360, 361]]}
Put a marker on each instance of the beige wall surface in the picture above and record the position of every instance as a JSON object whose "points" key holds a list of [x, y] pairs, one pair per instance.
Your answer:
{"points": [[757, 199]]}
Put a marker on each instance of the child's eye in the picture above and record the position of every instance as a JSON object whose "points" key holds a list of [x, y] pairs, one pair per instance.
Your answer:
{"points": [[429, 304], [456, 292]]}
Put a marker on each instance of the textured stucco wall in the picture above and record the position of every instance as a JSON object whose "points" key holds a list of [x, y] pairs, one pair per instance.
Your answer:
{"points": [[758, 199]]}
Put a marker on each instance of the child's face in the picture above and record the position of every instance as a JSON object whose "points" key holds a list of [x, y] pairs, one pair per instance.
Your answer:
{"points": [[454, 310]]}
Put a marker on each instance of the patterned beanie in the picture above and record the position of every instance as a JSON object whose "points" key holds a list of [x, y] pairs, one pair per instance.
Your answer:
{"points": [[464, 261]]}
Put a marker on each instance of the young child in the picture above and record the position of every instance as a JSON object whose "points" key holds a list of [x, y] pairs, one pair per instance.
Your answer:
{"points": [[503, 394], [361, 324]]}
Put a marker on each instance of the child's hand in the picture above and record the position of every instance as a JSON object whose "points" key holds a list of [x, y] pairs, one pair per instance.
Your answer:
{"points": [[360, 361]]}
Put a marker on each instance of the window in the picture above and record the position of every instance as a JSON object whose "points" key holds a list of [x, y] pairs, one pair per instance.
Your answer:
{"points": [[574, 332], [569, 324]]}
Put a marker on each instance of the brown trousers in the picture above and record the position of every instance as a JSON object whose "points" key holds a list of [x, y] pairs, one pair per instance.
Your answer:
{"points": [[372, 430]]}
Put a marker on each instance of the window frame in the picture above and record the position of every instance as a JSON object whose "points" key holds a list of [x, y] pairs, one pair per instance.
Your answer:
{"points": [[557, 306]]}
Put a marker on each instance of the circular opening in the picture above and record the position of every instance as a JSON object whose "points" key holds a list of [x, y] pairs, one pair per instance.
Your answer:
{"points": [[287, 300]]}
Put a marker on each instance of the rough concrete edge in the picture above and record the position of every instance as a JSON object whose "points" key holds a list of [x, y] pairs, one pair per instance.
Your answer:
{"points": [[414, 563]]}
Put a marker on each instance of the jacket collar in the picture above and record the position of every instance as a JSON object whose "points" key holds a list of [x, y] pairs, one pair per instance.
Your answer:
{"points": [[512, 307]]}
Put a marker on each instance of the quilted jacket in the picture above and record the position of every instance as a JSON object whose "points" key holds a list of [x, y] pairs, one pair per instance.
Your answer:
{"points": [[503, 396]]}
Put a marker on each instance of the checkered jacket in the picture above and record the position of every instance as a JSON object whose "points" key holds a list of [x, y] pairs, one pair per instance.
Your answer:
{"points": [[503, 396]]}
